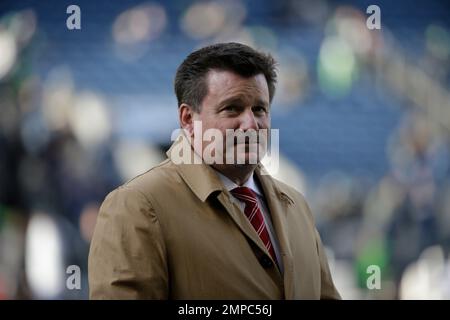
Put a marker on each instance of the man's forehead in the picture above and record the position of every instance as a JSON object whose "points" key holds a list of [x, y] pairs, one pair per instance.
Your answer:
{"points": [[224, 80], [219, 75]]}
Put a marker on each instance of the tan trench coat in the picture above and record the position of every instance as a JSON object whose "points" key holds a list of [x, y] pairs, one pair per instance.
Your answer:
{"points": [[174, 233]]}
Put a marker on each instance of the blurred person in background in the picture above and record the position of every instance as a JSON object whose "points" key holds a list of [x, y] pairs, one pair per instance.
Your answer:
{"points": [[211, 231]]}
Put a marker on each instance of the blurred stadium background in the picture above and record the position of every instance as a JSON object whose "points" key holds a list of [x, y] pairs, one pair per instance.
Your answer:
{"points": [[364, 119]]}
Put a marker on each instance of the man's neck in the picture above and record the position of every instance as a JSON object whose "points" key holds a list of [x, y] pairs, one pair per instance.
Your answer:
{"points": [[239, 174]]}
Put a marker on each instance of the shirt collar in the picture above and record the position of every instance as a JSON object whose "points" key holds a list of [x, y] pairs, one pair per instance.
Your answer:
{"points": [[230, 185]]}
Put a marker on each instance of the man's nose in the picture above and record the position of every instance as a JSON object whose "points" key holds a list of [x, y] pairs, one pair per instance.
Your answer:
{"points": [[248, 121]]}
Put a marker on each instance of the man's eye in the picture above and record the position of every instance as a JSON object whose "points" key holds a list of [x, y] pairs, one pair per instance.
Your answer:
{"points": [[231, 108], [259, 109]]}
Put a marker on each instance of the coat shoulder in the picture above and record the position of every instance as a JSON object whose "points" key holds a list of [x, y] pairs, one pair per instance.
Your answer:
{"points": [[155, 179]]}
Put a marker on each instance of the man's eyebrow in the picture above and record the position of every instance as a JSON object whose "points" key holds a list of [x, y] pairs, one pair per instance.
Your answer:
{"points": [[232, 100], [241, 100]]}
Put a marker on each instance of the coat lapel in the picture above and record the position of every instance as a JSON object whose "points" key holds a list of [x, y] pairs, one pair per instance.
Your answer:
{"points": [[305, 283], [278, 203], [241, 220]]}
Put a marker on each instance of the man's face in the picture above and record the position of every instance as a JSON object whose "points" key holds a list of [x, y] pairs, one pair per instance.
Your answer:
{"points": [[237, 103]]}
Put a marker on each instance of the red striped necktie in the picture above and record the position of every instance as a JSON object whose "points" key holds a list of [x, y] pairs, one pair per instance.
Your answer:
{"points": [[254, 214]]}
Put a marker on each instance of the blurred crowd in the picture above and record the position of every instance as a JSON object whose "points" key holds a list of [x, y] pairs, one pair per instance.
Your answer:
{"points": [[364, 119]]}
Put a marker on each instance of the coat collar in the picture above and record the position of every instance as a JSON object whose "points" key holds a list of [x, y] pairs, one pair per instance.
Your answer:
{"points": [[200, 177]]}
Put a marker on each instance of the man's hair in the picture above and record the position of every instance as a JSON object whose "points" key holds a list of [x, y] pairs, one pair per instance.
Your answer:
{"points": [[190, 80]]}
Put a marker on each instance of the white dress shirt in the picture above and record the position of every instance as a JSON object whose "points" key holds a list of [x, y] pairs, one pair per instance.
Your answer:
{"points": [[251, 183]]}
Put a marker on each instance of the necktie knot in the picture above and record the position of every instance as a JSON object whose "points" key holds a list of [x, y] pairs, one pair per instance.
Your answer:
{"points": [[244, 194]]}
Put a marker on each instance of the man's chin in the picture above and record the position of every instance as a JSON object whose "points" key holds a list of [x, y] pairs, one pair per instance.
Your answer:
{"points": [[248, 158], [249, 155]]}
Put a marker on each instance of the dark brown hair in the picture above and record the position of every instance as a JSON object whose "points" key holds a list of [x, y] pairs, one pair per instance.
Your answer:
{"points": [[190, 84]]}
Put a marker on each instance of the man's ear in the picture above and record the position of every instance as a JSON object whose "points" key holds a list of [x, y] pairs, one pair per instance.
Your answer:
{"points": [[186, 117]]}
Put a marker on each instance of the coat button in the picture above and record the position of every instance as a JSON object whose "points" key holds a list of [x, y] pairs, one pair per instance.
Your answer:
{"points": [[266, 262]]}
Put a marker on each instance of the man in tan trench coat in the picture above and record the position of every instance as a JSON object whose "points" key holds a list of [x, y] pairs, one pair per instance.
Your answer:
{"points": [[211, 230]]}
